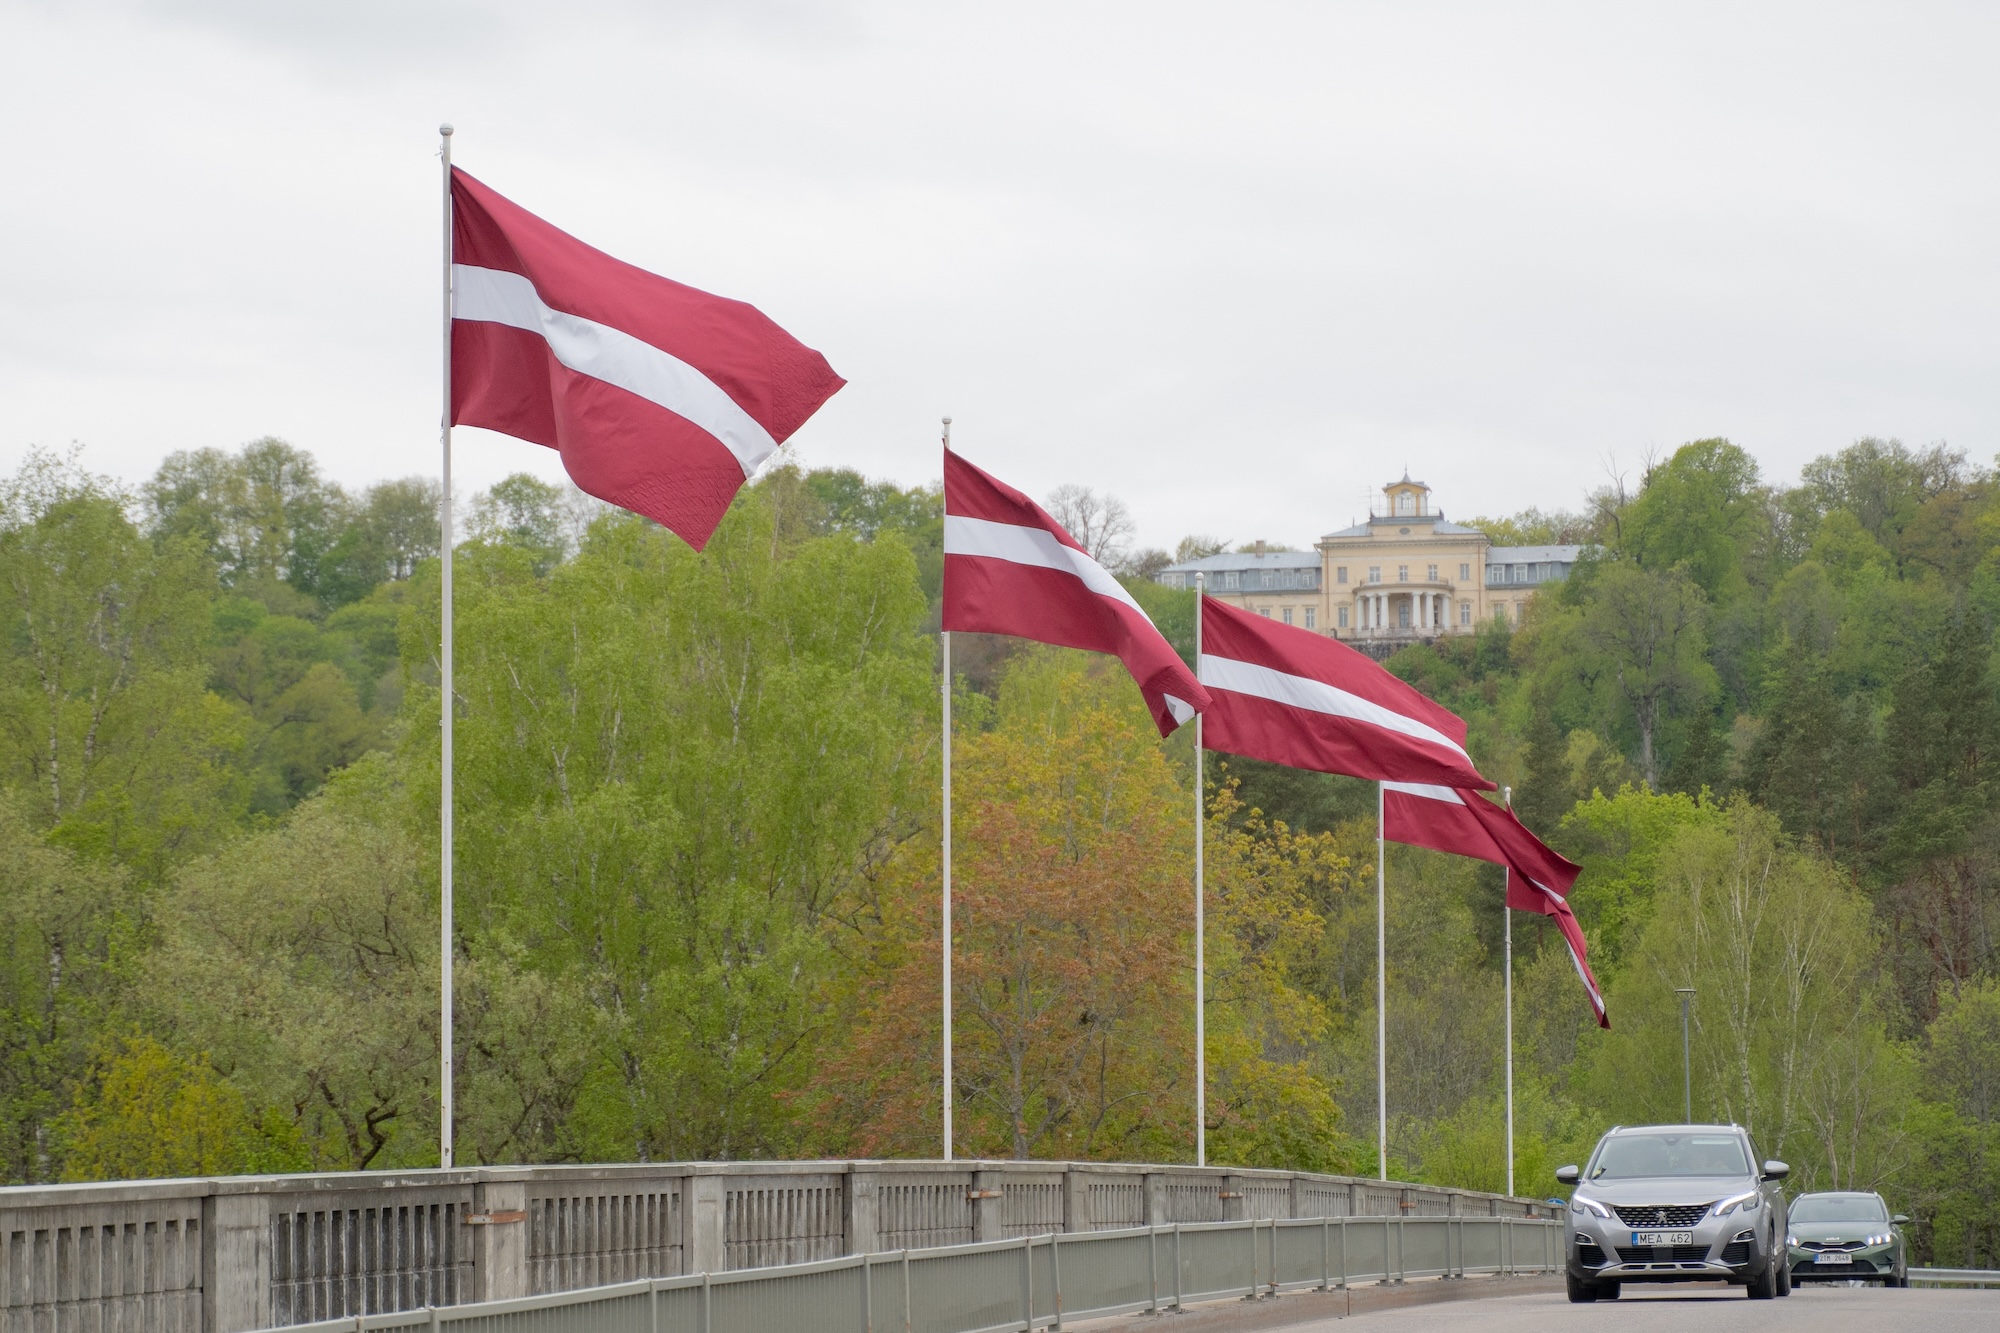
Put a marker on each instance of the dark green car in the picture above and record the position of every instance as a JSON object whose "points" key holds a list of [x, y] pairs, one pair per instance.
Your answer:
{"points": [[1841, 1237]]}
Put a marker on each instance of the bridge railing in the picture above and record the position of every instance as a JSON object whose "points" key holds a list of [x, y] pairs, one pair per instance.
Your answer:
{"points": [[1032, 1283], [246, 1252]]}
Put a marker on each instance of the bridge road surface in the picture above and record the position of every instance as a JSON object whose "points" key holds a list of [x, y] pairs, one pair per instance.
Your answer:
{"points": [[1703, 1308]]}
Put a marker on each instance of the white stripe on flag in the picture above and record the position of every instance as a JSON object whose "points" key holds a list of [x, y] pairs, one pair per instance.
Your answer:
{"points": [[1021, 545], [1426, 790], [1596, 1000], [495, 296], [1316, 696]]}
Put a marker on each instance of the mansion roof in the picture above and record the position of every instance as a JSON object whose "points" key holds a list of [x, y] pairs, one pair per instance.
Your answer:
{"points": [[1239, 560], [1435, 524]]}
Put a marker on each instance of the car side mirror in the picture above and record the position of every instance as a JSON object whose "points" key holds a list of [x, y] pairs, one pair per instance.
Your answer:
{"points": [[1776, 1170], [1899, 1219], [1567, 1175]]}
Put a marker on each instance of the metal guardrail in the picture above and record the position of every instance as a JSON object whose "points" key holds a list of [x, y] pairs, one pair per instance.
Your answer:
{"points": [[1953, 1277], [1032, 1283]]}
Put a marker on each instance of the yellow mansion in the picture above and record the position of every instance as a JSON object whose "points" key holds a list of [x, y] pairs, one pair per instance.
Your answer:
{"points": [[1405, 574]]}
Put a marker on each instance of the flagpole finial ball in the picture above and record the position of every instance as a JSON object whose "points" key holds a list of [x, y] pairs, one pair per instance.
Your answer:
{"points": [[947, 421], [445, 129]]}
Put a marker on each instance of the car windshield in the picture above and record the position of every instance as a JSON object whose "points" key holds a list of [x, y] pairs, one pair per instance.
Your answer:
{"points": [[1640, 1156], [1838, 1208]]}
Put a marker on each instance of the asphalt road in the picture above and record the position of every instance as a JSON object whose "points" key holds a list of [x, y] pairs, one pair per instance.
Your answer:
{"points": [[1677, 1309]]}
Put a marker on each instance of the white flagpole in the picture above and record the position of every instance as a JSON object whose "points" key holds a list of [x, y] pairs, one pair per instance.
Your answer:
{"points": [[944, 640], [445, 672], [1507, 958], [1200, 959], [1381, 990]]}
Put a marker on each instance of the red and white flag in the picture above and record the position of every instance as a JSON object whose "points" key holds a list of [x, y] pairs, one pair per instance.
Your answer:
{"points": [[1011, 569], [1290, 696], [661, 399], [1465, 823]]}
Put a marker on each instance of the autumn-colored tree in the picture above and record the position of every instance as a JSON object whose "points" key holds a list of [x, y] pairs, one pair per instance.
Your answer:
{"points": [[1073, 950]]}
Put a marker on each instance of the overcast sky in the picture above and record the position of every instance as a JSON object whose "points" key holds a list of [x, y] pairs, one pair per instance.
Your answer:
{"points": [[1237, 263]]}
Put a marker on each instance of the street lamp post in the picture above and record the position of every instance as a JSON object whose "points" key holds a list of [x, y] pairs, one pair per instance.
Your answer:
{"points": [[1687, 1067]]}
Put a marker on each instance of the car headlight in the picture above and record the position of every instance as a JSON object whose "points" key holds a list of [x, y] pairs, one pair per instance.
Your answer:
{"points": [[1747, 1201], [1878, 1240], [1581, 1204], [1792, 1241]]}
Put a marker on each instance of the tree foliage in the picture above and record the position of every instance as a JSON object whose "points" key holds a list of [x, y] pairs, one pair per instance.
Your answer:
{"points": [[697, 855]]}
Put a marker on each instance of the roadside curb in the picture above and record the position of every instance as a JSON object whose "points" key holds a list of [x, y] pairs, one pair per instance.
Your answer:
{"points": [[1306, 1307]]}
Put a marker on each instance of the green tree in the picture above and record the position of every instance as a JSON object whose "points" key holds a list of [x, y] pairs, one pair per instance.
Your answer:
{"points": [[674, 769], [320, 999], [1701, 512], [1814, 759], [1640, 636], [383, 539], [146, 1112], [265, 516], [1783, 954], [524, 512], [105, 720], [1959, 1170], [67, 926]]}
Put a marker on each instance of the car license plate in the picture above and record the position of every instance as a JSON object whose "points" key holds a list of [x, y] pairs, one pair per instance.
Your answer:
{"points": [[1663, 1238], [1833, 1257]]}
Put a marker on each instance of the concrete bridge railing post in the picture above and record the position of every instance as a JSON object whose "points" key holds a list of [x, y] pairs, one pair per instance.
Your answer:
{"points": [[236, 1261], [497, 1232], [1076, 1201], [864, 1211], [707, 1224], [988, 1196]]}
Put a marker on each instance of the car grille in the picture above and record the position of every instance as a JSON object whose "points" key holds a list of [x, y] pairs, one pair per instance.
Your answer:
{"points": [[1736, 1252], [1659, 1254], [1829, 1244], [1662, 1215]]}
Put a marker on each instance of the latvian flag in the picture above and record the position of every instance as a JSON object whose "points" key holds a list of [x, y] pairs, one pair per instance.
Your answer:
{"points": [[1011, 569], [1290, 696], [661, 399], [1465, 823]]}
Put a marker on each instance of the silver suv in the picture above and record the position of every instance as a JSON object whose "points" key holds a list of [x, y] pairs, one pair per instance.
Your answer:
{"points": [[1676, 1203]]}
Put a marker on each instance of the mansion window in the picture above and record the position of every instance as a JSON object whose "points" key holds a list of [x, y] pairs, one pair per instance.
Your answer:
{"points": [[1406, 503], [1374, 573], [1264, 611], [1465, 613], [1288, 615], [1465, 573], [1402, 573], [1342, 611], [1433, 574], [1312, 617], [1340, 574]]}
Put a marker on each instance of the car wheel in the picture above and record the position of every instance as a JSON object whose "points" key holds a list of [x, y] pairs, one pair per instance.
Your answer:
{"points": [[1765, 1285], [1580, 1292], [1784, 1277]]}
